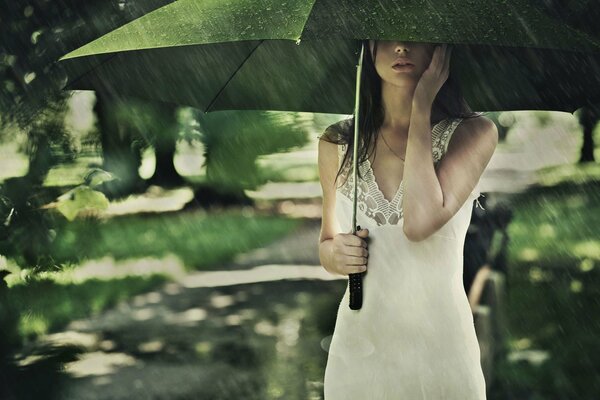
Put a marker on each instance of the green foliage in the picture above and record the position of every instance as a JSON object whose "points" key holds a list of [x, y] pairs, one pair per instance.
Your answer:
{"points": [[233, 140], [553, 310], [568, 213], [553, 288], [150, 120], [49, 142], [36, 34]]}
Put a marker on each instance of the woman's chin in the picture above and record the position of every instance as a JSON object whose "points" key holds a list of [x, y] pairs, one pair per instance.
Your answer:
{"points": [[405, 82]]}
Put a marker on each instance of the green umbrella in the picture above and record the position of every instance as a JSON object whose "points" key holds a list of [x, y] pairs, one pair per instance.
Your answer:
{"points": [[295, 55], [301, 55]]}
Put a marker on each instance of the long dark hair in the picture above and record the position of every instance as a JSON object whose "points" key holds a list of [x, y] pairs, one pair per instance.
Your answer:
{"points": [[449, 101]]}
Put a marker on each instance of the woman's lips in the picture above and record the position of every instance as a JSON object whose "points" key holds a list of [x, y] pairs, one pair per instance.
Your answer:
{"points": [[400, 68]]}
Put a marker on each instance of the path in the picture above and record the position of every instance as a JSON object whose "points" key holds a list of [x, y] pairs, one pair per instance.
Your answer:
{"points": [[211, 334]]}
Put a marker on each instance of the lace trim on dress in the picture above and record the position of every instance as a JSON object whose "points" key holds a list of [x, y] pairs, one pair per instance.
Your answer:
{"points": [[370, 199]]}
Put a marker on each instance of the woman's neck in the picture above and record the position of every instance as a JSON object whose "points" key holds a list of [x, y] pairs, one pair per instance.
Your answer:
{"points": [[397, 103]]}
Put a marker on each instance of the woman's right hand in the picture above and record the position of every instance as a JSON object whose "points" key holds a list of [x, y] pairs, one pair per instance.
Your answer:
{"points": [[350, 252]]}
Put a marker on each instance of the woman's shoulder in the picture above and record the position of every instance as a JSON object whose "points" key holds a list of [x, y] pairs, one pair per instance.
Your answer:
{"points": [[478, 125]]}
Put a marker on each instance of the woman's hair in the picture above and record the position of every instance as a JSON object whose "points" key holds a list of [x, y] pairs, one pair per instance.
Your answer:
{"points": [[449, 101]]}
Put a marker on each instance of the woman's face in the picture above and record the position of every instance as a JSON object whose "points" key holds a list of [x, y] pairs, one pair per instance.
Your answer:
{"points": [[389, 51]]}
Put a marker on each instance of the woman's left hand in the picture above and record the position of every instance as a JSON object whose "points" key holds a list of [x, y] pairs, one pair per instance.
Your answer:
{"points": [[434, 76]]}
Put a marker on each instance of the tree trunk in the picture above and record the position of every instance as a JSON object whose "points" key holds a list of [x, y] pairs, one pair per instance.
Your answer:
{"points": [[40, 159], [121, 156], [588, 120], [165, 142]]}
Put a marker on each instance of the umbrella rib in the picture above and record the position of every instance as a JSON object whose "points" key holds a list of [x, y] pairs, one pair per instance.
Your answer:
{"points": [[92, 69], [231, 77]]}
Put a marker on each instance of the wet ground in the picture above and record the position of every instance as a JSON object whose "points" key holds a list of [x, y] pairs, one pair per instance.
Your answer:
{"points": [[257, 330]]}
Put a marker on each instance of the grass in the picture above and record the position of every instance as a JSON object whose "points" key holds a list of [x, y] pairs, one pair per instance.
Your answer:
{"points": [[202, 241], [554, 311], [553, 288], [556, 226]]}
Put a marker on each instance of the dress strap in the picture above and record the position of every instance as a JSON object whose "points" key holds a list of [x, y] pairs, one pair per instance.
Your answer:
{"points": [[441, 137]]}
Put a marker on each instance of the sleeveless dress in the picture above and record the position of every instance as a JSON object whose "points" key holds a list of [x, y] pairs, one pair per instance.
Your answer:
{"points": [[414, 337]]}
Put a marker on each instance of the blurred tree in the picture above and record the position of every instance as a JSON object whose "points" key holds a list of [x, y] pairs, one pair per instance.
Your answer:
{"points": [[127, 127], [121, 147], [588, 118], [48, 142], [34, 34], [165, 134], [156, 125], [233, 141]]}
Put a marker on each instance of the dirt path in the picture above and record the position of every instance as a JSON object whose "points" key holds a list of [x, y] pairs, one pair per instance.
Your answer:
{"points": [[247, 332]]}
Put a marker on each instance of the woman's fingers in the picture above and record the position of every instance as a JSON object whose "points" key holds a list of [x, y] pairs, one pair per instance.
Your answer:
{"points": [[356, 260], [357, 251], [357, 256], [353, 240], [353, 269]]}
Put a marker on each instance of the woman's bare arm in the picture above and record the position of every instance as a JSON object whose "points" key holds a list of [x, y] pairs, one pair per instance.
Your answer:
{"points": [[328, 164], [431, 196]]}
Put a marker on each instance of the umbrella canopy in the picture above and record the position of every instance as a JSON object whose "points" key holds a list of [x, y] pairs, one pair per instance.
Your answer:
{"points": [[301, 55]]}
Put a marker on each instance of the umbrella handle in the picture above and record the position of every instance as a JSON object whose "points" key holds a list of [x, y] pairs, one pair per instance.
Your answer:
{"points": [[355, 280], [355, 286]]}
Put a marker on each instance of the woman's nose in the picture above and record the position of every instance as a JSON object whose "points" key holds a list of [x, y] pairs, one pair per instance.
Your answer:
{"points": [[400, 47]]}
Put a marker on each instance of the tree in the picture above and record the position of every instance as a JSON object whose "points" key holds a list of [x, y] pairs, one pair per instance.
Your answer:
{"points": [[120, 150], [34, 34], [233, 141], [588, 118]]}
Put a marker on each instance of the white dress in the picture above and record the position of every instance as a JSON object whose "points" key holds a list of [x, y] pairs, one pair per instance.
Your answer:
{"points": [[414, 337]]}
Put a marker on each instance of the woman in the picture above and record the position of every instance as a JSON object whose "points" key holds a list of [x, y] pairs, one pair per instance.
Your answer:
{"points": [[414, 336]]}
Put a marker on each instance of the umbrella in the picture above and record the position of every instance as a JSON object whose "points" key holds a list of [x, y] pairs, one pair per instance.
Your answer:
{"points": [[301, 55], [249, 54]]}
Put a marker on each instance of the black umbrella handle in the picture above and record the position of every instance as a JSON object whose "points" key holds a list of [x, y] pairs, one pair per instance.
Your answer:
{"points": [[355, 286]]}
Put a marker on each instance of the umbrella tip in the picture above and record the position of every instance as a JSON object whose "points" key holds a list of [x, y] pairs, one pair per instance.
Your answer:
{"points": [[298, 41]]}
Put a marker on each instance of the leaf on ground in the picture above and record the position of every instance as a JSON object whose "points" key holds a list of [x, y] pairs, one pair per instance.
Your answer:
{"points": [[79, 199]]}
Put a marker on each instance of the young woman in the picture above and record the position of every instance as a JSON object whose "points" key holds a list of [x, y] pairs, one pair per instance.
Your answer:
{"points": [[414, 336]]}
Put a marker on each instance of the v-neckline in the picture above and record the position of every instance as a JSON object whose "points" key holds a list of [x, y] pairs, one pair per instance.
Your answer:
{"points": [[379, 191], [398, 189]]}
